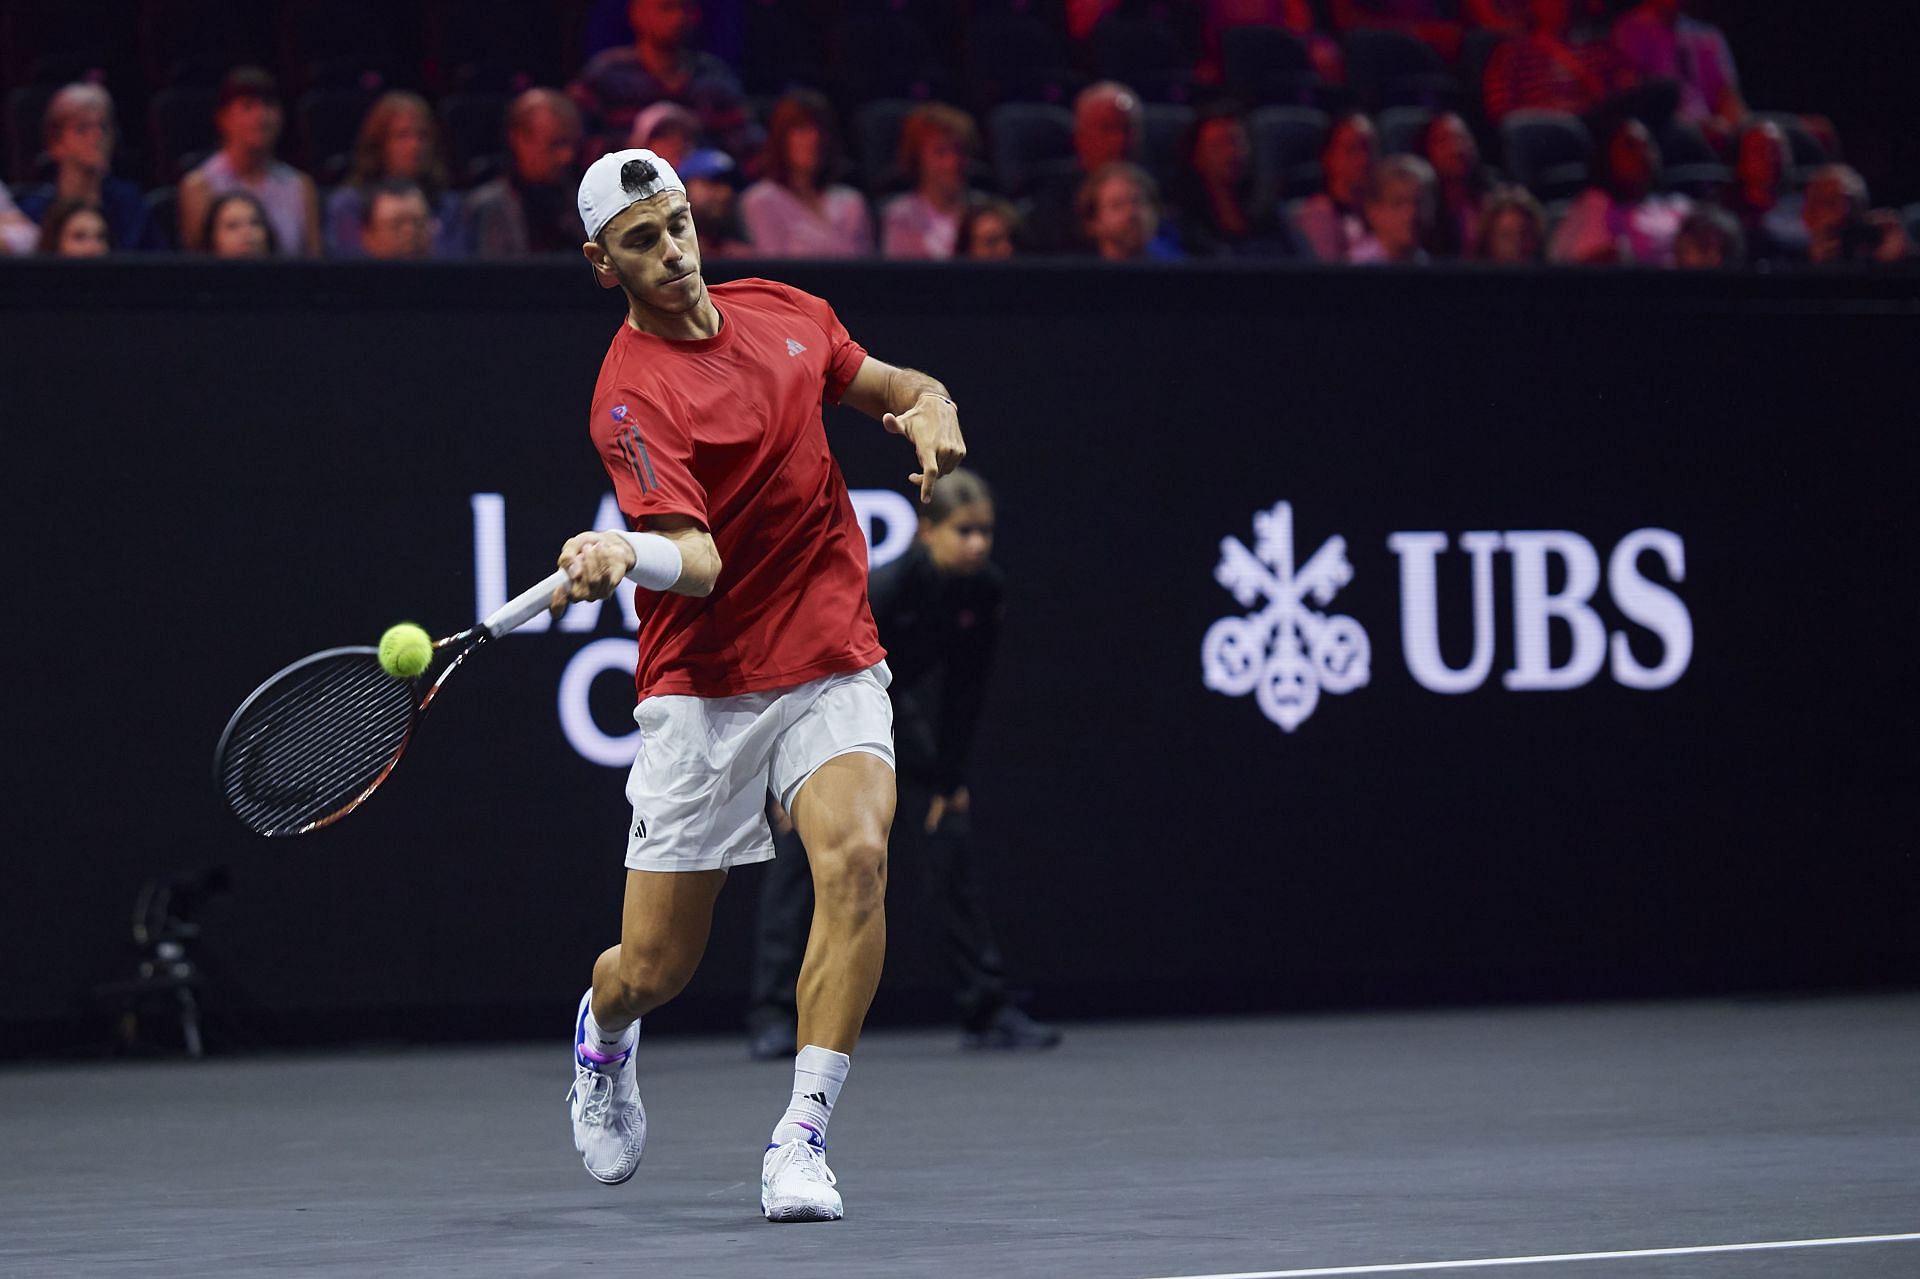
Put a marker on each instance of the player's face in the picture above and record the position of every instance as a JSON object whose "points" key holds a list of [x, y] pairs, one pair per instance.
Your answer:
{"points": [[651, 251], [962, 543]]}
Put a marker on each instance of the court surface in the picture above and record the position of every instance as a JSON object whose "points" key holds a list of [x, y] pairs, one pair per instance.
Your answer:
{"points": [[1136, 1151]]}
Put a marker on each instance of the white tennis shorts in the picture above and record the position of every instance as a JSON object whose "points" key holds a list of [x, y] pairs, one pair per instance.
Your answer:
{"points": [[699, 784]]}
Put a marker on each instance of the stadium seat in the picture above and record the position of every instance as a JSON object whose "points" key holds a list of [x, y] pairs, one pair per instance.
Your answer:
{"points": [[26, 106], [1015, 57], [876, 143], [193, 41], [1268, 66], [163, 219], [1400, 129], [335, 44], [1911, 216], [1688, 162], [1286, 148], [1391, 69], [180, 121], [1145, 51], [1546, 152], [886, 54], [491, 48], [784, 49], [328, 121], [1809, 153], [473, 131], [1024, 135], [1166, 125]]}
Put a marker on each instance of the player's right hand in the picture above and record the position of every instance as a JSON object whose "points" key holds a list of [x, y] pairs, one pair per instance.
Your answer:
{"points": [[595, 563]]}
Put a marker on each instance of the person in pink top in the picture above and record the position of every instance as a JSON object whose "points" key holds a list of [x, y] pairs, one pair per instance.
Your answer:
{"points": [[1622, 220], [1655, 41], [797, 211], [935, 144]]}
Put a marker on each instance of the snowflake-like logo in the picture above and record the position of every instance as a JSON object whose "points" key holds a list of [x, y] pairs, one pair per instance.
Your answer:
{"points": [[1286, 654]]}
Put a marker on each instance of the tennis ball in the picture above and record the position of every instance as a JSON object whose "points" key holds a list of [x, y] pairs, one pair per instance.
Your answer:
{"points": [[405, 651]]}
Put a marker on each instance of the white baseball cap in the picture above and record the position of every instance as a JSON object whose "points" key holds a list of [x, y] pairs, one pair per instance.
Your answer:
{"points": [[605, 190]]}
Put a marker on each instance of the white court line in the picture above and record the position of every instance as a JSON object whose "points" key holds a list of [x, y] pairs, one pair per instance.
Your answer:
{"points": [[1407, 1267]]}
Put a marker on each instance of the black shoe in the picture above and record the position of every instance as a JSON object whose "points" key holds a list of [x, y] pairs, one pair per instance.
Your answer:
{"points": [[1011, 1029], [771, 1041]]}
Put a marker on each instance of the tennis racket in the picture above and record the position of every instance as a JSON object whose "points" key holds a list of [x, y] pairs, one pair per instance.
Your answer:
{"points": [[311, 744]]}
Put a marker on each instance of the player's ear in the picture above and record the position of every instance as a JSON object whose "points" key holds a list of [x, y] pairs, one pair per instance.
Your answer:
{"points": [[603, 273]]}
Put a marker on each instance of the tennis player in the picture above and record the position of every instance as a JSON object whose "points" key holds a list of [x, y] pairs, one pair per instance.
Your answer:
{"points": [[759, 668]]}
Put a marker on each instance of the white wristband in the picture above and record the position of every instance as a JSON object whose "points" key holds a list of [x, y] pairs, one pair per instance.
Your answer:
{"points": [[656, 560]]}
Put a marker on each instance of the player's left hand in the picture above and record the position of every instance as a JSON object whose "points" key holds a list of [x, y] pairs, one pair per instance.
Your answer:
{"points": [[932, 426]]}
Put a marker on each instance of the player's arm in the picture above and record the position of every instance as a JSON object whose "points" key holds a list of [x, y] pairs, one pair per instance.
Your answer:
{"points": [[675, 554], [910, 403]]}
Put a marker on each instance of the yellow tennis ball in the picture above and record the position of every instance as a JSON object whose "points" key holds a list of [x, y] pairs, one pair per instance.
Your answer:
{"points": [[405, 651]]}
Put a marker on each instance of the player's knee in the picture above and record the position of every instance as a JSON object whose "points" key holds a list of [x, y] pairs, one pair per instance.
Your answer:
{"points": [[649, 976], [852, 878]]}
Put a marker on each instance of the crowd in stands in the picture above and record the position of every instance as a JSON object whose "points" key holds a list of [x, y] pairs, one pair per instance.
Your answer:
{"points": [[1349, 131]]}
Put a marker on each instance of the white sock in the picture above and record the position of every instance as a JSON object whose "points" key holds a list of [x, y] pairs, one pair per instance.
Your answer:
{"points": [[817, 1076], [610, 1044]]}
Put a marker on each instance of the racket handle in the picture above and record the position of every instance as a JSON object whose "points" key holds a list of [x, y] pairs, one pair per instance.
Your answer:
{"points": [[521, 608]]}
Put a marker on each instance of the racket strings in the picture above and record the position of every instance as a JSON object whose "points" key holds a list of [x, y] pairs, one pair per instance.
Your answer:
{"points": [[313, 741]]}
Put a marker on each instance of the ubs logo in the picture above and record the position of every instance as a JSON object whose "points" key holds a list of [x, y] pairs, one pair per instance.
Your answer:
{"points": [[1287, 652]]}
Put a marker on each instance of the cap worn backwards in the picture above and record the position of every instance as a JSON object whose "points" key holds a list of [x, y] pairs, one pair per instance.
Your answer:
{"points": [[619, 179]]}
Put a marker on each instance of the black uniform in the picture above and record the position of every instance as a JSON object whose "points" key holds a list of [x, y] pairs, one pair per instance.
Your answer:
{"points": [[939, 632]]}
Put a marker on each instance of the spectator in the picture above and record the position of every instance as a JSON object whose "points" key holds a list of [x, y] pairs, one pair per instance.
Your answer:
{"points": [[1513, 228], [398, 140], [1331, 223], [990, 232], [1769, 212], [1841, 228], [1108, 125], [1621, 220], [668, 130], [75, 229], [1221, 209], [1709, 240], [1429, 20], [80, 133], [1461, 185], [936, 142], [712, 194], [398, 222], [1119, 211], [1655, 41], [658, 66], [531, 207], [249, 119], [1541, 71], [1399, 212], [18, 234], [796, 211], [237, 227]]}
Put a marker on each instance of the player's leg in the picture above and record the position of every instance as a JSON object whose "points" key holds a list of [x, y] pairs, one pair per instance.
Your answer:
{"points": [[834, 770], [664, 926], [779, 944], [698, 789], [844, 813]]}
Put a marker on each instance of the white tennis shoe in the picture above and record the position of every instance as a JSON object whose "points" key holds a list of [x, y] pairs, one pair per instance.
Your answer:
{"points": [[797, 1185], [609, 1123]]}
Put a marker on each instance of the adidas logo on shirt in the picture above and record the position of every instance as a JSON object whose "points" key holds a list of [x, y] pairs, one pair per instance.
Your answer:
{"points": [[794, 348]]}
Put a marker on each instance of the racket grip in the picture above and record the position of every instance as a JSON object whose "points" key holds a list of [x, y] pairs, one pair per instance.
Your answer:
{"points": [[518, 610]]}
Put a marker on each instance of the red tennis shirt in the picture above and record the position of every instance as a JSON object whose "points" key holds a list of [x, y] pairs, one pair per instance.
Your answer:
{"points": [[727, 429]]}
